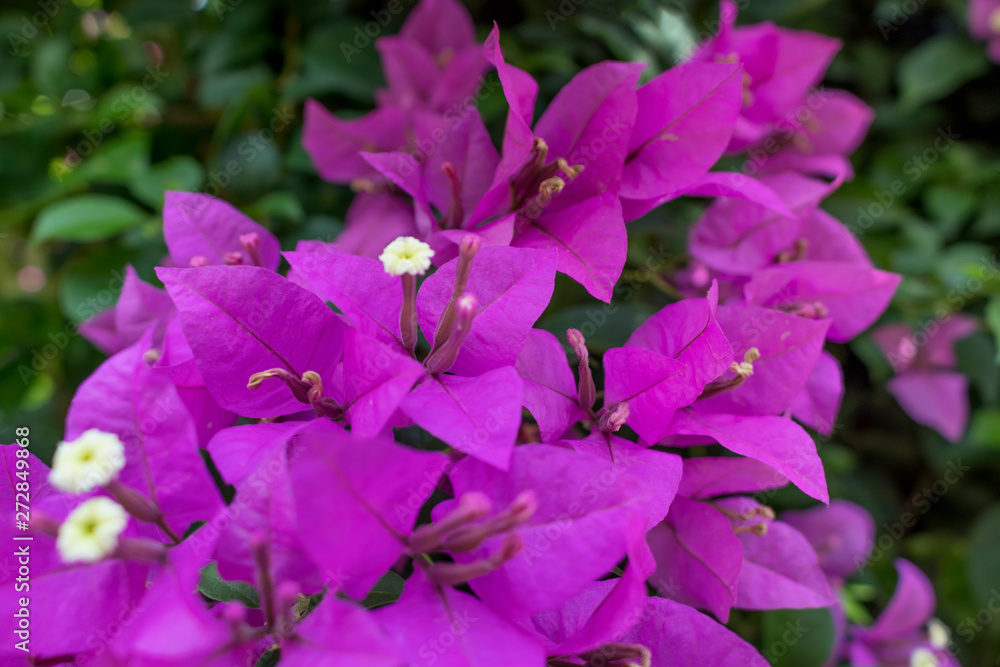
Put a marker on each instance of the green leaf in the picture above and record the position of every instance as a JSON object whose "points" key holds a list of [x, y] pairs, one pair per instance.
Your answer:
{"points": [[338, 58], [878, 366], [115, 160], [853, 606], [385, 591], [992, 316], [798, 637], [950, 207], [984, 431], [177, 173], [91, 284], [984, 545], [215, 587], [278, 204], [604, 325], [971, 353], [269, 659], [86, 218], [939, 66]]}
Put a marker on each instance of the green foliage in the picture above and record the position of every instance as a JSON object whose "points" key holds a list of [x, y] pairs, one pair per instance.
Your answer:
{"points": [[385, 591], [798, 637], [214, 587], [938, 67], [86, 218]]}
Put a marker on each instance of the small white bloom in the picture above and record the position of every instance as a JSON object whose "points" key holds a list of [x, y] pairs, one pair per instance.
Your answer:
{"points": [[91, 531], [90, 461], [923, 657], [938, 634], [406, 255]]}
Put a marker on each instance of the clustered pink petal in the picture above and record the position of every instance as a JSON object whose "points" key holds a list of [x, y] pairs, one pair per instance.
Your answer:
{"points": [[388, 501]]}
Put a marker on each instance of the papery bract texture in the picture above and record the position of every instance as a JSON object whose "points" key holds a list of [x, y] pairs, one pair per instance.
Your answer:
{"points": [[242, 320]]}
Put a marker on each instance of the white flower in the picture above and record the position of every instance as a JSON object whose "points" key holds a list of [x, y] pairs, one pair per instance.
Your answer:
{"points": [[91, 531], [406, 255], [923, 657], [90, 461], [938, 634]]}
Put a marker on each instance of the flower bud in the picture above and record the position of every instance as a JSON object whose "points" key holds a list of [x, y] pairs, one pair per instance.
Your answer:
{"points": [[251, 246], [614, 418], [455, 574], [444, 356], [233, 258], [141, 549], [586, 390]]}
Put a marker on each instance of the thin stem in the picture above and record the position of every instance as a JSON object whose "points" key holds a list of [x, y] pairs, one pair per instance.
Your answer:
{"points": [[408, 315]]}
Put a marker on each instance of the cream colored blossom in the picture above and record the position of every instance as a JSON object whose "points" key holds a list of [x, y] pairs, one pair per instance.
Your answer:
{"points": [[923, 657], [91, 531], [406, 255], [938, 634], [90, 461]]}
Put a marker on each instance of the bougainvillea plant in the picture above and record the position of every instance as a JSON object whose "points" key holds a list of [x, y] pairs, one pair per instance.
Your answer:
{"points": [[231, 488]]}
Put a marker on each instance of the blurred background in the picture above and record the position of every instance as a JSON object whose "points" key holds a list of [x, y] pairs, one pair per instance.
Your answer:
{"points": [[104, 105]]}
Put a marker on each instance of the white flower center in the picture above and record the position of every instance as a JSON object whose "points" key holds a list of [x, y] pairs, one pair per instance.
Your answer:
{"points": [[91, 531], [90, 461], [406, 255], [938, 634], [994, 21], [923, 657]]}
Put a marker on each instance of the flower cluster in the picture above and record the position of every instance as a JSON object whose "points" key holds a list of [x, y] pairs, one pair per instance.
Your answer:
{"points": [[231, 482], [926, 384], [983, 17], [906, 632]]}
